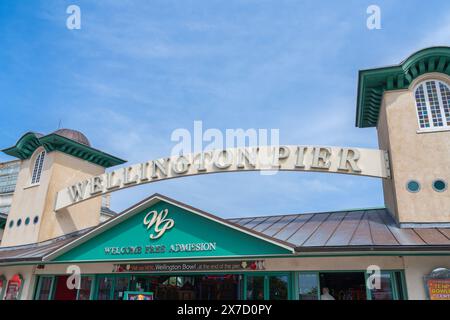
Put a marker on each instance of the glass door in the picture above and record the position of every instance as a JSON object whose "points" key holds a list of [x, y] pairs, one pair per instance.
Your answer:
{"points": [[267, 287], [279, 287], [255, 288]]}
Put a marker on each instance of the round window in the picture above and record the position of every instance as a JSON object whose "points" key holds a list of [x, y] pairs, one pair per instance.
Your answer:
{"points": [[19, 222], [11, 223], [413, 186], [439, 185], [36, 219], [27, 221]]}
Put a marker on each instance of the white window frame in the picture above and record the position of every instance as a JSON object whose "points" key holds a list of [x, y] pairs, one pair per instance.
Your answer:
{"points": [[432, 128], [38, 166]]}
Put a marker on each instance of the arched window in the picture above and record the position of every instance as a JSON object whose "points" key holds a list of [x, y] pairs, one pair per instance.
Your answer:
{"points": [[37, 169], [433, 104]]}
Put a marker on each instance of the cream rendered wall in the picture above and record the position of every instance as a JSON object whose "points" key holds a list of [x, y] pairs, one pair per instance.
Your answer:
{"points": [[384, 144], [420, 156], [66, 171], [28, 201], [59, 171]]}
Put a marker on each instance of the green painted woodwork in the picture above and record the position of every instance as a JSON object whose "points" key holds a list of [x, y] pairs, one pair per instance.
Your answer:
{"points": [[373, 82], [397, 277], [30, 141], [188, 228], [3, 221]]}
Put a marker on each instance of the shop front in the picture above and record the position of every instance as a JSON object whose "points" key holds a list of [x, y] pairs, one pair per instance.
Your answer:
{"points": [[162, 249], [213, 286]]}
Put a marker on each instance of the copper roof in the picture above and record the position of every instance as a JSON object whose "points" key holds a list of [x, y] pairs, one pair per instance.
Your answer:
{"points": [[357, 230], [73, 135], [346, 229], [34, 252]]}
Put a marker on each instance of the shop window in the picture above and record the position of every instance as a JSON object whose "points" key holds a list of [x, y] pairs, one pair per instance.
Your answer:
{"points": [[278, 287], [255, 288], [433, 104], [37, 169], [342, 286], [205, 287], [385, 291], [104, 288], [84, 293], [44, 288], [120, 286], [62, 291], [391, 287], [308, 286]]}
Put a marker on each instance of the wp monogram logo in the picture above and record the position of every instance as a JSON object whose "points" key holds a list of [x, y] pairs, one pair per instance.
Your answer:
{"points": [[158, 222]]}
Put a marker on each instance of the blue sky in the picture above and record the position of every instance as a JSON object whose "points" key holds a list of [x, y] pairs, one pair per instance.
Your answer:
{"points": [[137, 70]]}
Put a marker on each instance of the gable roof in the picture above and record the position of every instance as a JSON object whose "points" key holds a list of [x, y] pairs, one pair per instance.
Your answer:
{"points": [[371, 230], [155, 198]]}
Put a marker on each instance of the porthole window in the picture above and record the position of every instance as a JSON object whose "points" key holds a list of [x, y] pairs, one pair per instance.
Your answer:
{"points": [[19, 222], [413, 186], [27, 221], [11, 223], [36, 219], [439, 185]]}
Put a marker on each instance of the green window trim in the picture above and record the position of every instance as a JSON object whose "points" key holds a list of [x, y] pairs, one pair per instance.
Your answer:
{"points": [[5, 284], [38, 287], [395, 276]]}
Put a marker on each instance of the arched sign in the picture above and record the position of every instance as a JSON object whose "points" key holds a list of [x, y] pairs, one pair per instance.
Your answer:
{"points": [[356, 161]]}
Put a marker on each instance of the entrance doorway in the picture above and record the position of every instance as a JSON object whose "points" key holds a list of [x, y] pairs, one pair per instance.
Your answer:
{"points": [[62, 292], [205, 287], [343, 286], [268, 287]]}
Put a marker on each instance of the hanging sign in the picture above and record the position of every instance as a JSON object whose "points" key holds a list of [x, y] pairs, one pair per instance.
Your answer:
{"points": [[356, 161], [14, 287], [439, 289], [438, 284]]}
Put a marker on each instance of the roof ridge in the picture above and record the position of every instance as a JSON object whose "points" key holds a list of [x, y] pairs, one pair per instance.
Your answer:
{"points": [[313, 213]]}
